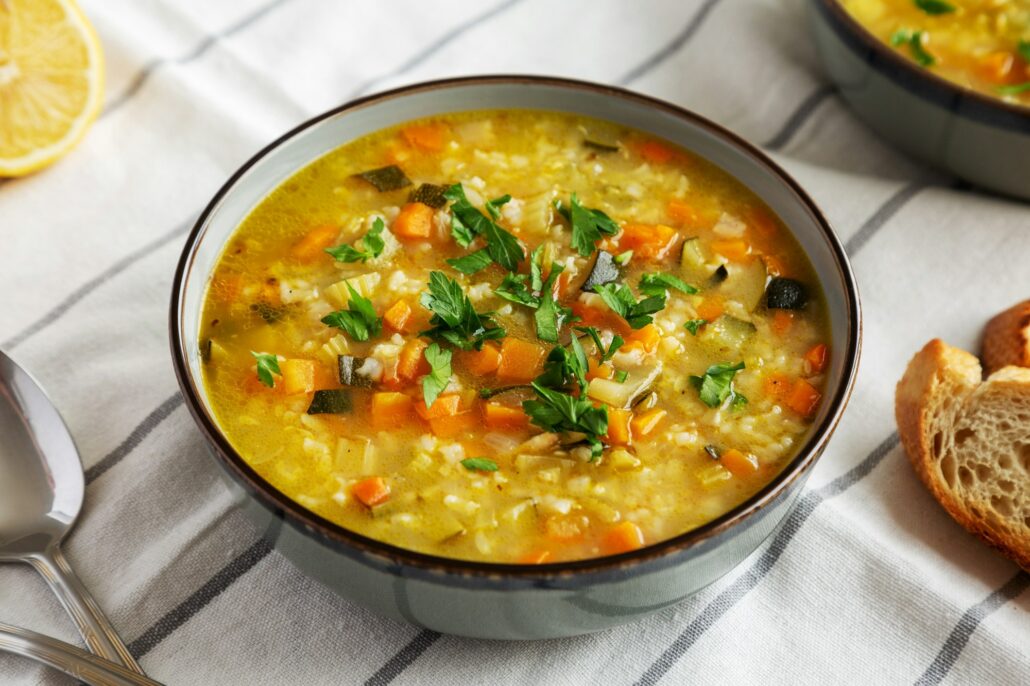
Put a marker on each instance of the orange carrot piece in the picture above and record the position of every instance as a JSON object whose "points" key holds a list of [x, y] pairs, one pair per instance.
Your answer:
{"points": [[411, 363], [371, 491], [710, 308], [774, 265], [431, 136], [622, 538], [298, 376], [534, 557], [734, 250], [644, 424], [803, 398], [226, 289], [521, 361], [443, 406], [599, 371], [454, 425], [816, 357], [776, 386], [414, 221], [618, 426], [656, 152], [601, 317], [647, 337], [390, 409], [483, 361], [738, 463], [648, 241], [681, 213], [326, 377], [398, 316], [782, 321], [504, 417], [314, 242], [997, 67]]}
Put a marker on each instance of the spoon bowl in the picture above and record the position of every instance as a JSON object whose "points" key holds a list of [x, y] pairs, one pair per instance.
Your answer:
{"points": [[41, 491]]}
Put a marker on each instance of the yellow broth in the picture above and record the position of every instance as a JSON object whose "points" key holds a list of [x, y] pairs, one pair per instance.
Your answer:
{"points": [[673, 456], [979, 44]]}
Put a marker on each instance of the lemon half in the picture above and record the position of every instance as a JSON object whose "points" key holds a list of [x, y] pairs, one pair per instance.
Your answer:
{"points": [[51, 82]]}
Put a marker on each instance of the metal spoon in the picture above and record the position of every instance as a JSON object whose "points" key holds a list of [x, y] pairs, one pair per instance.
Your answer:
{"points": [[41, 491], [73, 661]]}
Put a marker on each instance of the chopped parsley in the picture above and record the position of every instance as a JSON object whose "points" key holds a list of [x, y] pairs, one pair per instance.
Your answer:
{"points": [[1024, 50], [621, 301], [473, 262], [454, 318], [1015, 89], [267, 364], [588, 226], [434, 383], [623, 258], [694, 324], [467, 223], [658, 283], [480, 464], [621, 375], [565, 367], [557, 412], [914, 41], [717, 383], [596, 337], [934, 6], [359, 320], [536, 293], [372, 245]]}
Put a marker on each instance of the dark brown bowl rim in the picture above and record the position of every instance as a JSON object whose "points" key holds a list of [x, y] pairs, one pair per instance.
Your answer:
{"points": [[312, 524], [961, 99]]}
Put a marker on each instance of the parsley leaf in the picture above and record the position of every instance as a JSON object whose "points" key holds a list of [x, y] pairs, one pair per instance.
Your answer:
{"points": [[612, 348], [588, 225], [467, 222], [1024, 50], [1015, 89], [621, 375], [538, 295], [454, 318], [656, 284], [564, 367], [934, 6], [623, 258], [556, 412], [481, 464], [621, 301], [717, 383], [372, 246], [694, 324], [434, 383], [513, 287], [493, 207], [471, 263], [359, 320], [267, 364], [914, 41]]}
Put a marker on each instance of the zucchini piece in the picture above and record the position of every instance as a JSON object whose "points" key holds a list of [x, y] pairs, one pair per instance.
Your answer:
{"points": [[713, 451], [269, 313], [385, 178], [786, 294], [429, 194], [692, 261], [746, 284], [720, 274], [205, 350], [333, 401], [729, 332], [349, 366], [599, 146], [603, 271], [487, 393], [623, 395]]}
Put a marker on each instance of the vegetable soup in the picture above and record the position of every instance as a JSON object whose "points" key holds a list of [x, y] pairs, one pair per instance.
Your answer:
{"points": [[514, 336], [979, 44]]}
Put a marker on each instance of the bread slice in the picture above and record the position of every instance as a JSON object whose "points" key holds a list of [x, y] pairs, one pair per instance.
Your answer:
{"points": [[969, 441], [1007, 339]]}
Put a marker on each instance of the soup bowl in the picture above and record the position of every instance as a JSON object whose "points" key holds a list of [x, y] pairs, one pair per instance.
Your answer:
{"points": [[493, 600], [977, 137]]}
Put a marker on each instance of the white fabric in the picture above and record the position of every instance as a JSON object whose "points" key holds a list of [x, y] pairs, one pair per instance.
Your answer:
{"points": [[870, 582]]}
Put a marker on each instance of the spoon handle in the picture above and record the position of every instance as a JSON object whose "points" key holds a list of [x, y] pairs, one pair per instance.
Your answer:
{"points": [[73, 661], [96, 630]]}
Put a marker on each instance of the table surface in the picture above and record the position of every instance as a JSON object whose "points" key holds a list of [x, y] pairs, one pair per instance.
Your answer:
{"points": [[868, 582]]}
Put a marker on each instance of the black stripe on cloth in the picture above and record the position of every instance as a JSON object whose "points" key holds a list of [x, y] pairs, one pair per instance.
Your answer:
{"points": [[883, 215], [805, 110], [967, 624], [670, 48], [202, 47], [96, 282], [404, 657], [747, 581], [182, 612], [435, 47], [149, 423]]}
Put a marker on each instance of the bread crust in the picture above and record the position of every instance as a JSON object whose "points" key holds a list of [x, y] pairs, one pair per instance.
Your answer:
{"points": [[1007, 339], [941, 378]]}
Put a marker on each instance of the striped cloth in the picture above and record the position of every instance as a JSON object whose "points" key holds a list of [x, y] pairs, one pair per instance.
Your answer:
{"points": [[868, 582]]}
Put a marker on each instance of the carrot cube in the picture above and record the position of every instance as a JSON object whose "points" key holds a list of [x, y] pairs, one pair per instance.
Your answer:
{"points": [[535, 557], [504, 417], [618, 426], [656, 152], [816, 358], [599, 371], [372, 491], [397, 316], [681, 213], [431, 136], [622, 538], [391, 409], [735, 250], [644, 424], [648, 241], [298, 376], [782, 321], [738, 463], [710, 308], [414, 221], [647, 337], [483, 361], [314, 242], [521, 361], [411, 363], [454, 425], [443, 406], [803, 398]]}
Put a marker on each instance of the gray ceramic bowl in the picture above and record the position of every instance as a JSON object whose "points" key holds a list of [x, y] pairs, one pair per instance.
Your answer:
{"points": [[502, 600], [979, 138]]}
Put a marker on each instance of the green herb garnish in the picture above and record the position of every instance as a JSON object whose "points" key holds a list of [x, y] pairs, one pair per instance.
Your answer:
{"points": [[467, 222], [480, 464], [471, 263], [588, 225], [267, 364], [694, 324], [621, 375], [717, 383], [914, 41], [1015, 89], [656, 284], [538, 295], [359, 320], [623, 258], [454, 318], [434, 383], [621, 300], [934, 6], [556, 412], [565, 367], [372, 245], [1023, 48], [596, 337]]}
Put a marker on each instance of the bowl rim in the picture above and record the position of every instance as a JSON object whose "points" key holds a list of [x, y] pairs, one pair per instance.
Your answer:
{"points": [[947, 93], [397, 557]]}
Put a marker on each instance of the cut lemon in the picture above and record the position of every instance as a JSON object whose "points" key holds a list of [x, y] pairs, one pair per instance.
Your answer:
{"points": [[51, 82]]}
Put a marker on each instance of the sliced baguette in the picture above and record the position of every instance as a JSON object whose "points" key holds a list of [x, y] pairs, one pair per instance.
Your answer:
{"points": [[1007, 339], [969, 441]]}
